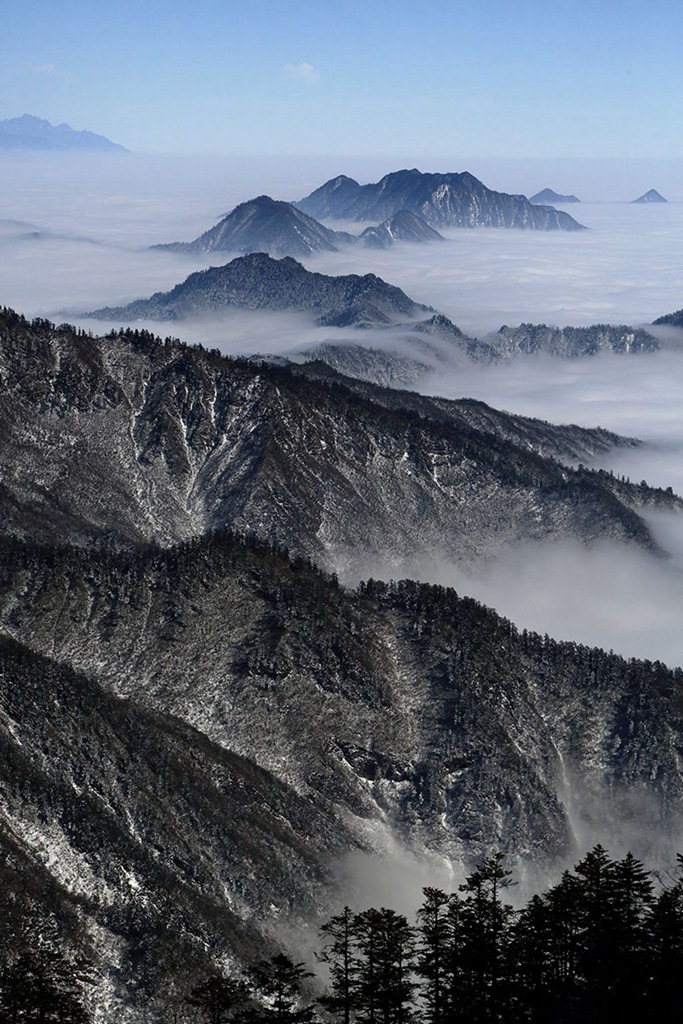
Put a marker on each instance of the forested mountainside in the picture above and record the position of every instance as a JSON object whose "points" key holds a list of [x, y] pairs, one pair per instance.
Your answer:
{"points": [[220, 723], [571, 342], [198, 725], [138, 440]]}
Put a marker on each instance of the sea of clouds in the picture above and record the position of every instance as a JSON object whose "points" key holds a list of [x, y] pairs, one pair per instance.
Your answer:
{"points": [[76, 236]]}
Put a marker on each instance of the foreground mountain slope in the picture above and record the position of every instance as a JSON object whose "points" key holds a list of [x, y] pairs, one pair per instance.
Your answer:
{"points": [[257, 281], [251, 648], [442, 200], [159, 842], [243, 721], [137, 440]]}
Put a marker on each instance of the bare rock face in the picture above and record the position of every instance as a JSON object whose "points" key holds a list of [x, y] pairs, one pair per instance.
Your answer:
{"points": [[442, 200]]}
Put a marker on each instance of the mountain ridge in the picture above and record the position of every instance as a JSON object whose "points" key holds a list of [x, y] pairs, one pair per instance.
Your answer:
{"points": [[257, 281], [442, 200]]}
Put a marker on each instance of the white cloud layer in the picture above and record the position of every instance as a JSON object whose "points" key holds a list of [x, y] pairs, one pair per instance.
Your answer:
{"points": [[304, 72], [75, 236]]}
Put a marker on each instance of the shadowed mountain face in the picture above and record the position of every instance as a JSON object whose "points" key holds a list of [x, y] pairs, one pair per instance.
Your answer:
{"points": [[264, 225], [442, 200], [259, 282], [271, 226]]}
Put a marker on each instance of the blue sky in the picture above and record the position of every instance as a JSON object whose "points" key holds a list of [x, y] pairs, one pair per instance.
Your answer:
{"points": [[492, 79]]}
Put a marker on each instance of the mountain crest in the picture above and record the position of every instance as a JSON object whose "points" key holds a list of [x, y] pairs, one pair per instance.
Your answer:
{"points": [[264, 224], [257, 281], [442, 200]]}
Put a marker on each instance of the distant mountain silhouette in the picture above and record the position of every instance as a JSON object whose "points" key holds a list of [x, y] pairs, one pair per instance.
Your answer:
{"points": [[671, 319], [653, 196], [547, 195], [34, 133]]}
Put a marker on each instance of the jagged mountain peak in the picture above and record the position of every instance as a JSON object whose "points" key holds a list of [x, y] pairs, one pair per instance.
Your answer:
{"points": [[442, 200], [264, 224]]}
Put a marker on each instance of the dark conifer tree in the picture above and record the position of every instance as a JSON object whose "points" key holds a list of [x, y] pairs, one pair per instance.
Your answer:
{"points": [[338, 952], [386, 947], [486, 924], [280, 979], [628, 966], [530, 963], [435, 933], [218, 999], [665, 952]]}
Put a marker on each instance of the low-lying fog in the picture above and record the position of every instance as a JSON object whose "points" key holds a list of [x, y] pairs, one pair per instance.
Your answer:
{"points": [[74, 238]]}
